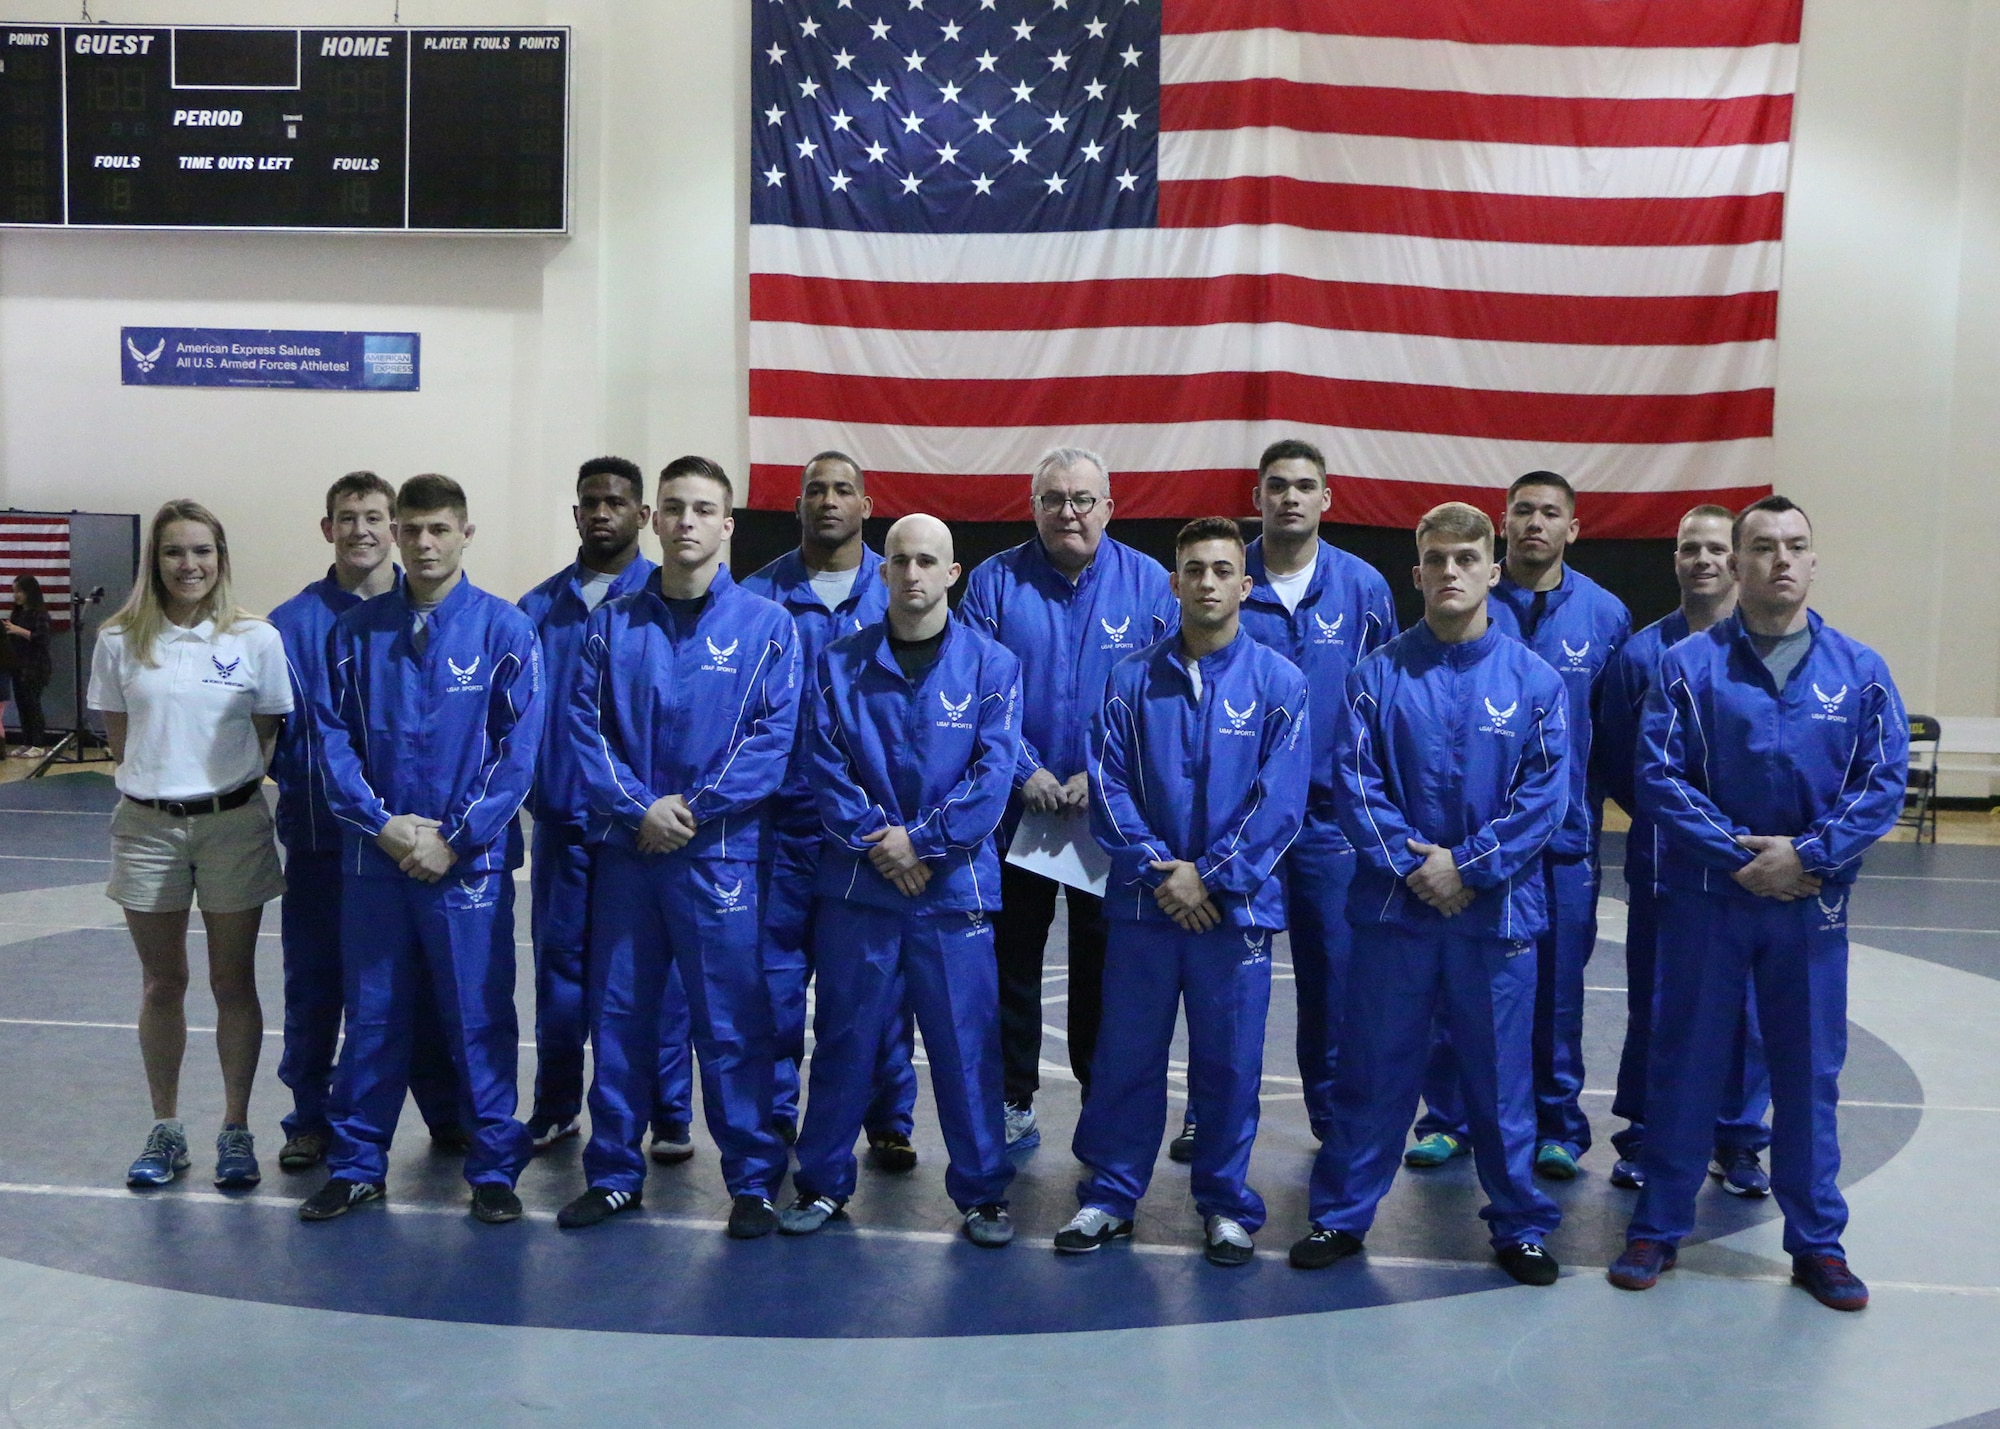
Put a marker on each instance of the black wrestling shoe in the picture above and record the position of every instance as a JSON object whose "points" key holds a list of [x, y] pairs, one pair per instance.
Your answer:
{"points": [[595, 1206], [751, 1216], [1321, 1248], [337, 1197], [891, 1151], [494, 1203], [1528, 1263]]}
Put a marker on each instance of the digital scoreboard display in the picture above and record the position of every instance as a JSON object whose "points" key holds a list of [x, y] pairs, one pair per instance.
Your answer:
{"points": [[135, 126]]}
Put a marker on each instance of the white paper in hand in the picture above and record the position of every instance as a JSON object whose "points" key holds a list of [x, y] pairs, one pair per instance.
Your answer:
{"points": [[1059, 846]]}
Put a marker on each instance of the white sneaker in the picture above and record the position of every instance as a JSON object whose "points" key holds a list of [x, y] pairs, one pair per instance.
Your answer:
{"points": [[1023, 1132], [1090, 1229], [1227, 1243]]}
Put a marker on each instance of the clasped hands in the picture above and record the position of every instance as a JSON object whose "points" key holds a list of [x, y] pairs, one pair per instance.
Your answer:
{"points": [[413, 841], [1183, 897], [895, 859], [1436, 880], [1046, 794], [1775, 872]]}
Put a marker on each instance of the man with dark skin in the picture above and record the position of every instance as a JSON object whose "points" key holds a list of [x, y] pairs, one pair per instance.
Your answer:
{"points": [[610, 512], [832, 587]]}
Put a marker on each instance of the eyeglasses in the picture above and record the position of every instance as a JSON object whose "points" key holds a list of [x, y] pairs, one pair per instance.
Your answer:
{"points": [[1052, 502]]}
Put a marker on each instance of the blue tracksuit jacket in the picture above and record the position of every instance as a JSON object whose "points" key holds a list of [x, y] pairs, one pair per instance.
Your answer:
{"points": [[1217, 780], [1463, 746], [1724, 752], [788, 582], [556, 606], [936, 757], [1580, 630], [451, 734], [705, 708], [1346, 613], [305, 822], [1067, 638], [1615, 744]]}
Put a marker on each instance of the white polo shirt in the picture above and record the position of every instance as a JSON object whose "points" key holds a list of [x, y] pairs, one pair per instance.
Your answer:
{"points": [[188, 733]]}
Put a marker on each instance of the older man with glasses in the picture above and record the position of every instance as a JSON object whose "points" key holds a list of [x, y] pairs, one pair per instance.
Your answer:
{"points": [[1069, 604]]}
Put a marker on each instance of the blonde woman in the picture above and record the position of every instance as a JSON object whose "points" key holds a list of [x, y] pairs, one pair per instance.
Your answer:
{"points": [[192, 689]]}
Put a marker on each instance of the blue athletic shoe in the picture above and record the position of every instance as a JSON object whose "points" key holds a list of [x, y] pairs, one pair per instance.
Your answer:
{"points": [[1828, 1280], [1740, 1172], [1552, 1159], [1642, 1264], [165, 1157], [236, 1159], [1434, 1150], [1629, 1175]]}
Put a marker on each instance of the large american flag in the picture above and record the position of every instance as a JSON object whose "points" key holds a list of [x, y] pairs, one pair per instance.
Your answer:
{"points": [[36, 546], [1450, 241]]}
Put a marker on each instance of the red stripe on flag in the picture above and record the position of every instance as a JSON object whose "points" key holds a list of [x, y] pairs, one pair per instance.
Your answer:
{"points": [[1489, 218], [1170, 494], [1257, 298], [1251, 396], [1647, 24], [1477, 118]]}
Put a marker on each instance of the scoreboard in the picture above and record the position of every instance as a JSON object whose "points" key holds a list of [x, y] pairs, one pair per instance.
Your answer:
{"points": [[455, 130]]}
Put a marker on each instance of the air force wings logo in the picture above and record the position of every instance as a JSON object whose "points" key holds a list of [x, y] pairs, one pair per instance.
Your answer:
{"points": [[222, 670], [1830, 703], [1498, 717], [956, 710], [1832, 915], [1238, 718], [144, 361], [463, 673], [729, 900], [1116, 632], [719, 655], [1576, 656], [1329, 630]]}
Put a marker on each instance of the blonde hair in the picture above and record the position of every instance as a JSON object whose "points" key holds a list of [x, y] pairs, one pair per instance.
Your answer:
{"points": [[144, 614], [1456, 521]]}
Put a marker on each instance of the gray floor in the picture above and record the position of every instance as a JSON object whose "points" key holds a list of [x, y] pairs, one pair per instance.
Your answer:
{"points": [[183, 1308]]}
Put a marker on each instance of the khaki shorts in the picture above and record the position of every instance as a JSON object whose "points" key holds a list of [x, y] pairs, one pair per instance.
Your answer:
{"points": [[161, 864]]}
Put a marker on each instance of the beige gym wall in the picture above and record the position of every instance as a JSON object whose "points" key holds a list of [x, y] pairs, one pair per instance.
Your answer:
{"points": [[628, 335]]}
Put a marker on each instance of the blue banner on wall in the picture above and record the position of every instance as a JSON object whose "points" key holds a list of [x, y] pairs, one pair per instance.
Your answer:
{"points": [[269, 357]]}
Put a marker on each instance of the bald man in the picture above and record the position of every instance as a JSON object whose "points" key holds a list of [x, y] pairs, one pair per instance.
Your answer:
{"points": [[915, 738]]}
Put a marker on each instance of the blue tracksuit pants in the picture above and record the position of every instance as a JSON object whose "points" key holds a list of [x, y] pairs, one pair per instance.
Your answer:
{"points": [[649, 912], [865, 958], [462, 931], [1561, 954], [1317, 873], [309, 927], [1482, 990], [1224, 977], [787, 951], [1746, 1091], [560, 915], [1795, 955]]}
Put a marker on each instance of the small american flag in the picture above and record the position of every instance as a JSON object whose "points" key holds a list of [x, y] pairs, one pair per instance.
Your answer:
{"points": [[1448, 240], [36, 546]]}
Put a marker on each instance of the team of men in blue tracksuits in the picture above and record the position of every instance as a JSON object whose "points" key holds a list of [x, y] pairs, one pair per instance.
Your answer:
{"points": [[739, 789]]}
